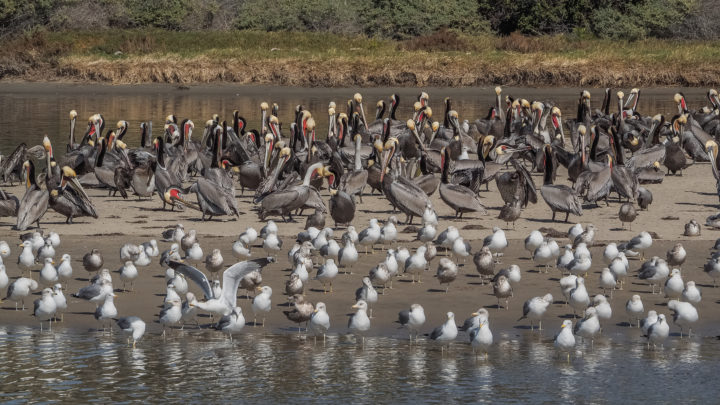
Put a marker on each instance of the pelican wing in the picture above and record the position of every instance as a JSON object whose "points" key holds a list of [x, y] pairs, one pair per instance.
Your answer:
{"points": [[195, 275], [562, 198], [235, 273]]}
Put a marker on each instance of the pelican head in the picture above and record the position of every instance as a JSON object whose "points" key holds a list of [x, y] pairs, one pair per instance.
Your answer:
{"points": [[498, 90], [73, 114]]}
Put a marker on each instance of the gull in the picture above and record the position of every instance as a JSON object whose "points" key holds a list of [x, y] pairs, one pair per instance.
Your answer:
{"points": [[674, 285], [359, 322], [143, 259], [107, 310], [589, 326], [607, 281], [473, 322], [214, 262], [48, 273], [151, 249], [712, 268], [416, 263], [132, 326], [231, 323], [270, 227], [641, 242], [65, 270], [484, 263], [4, 280], [447, 272], [574, 232], [565, 259], [272, 244], [170, 295], [294, 286], [54, 239], [250, 235], [611, 251], [581, 250], [188, 310], [103, 274], [302, 311], [47, 251], [401, 256], [684, 314], [44, 308], [370, 235], [321, 239], [348, 254], [171, 254], [326, 273], [26, 259], [602, 307], [634, 309], [677, 255], [648, 321], [19, 289], [618, 268], [305, 236], [388, 233], [60, 300], [512, 273], [533, 241], [179, 282], [481, 338], [565, 340], [380, 275], [412, 319], [37, 241], [240, 250], [225, 302], [496, 242], [654, 271], [427, 233], [429, 216], [542, 256], [130, 251], [461, 248], [502, 289], [330, 250], [445, 333], [567, 284], [367, 293], [4, 250], [195, 253], [262, 303], [447, 237], [692, 228], [535, 308], [587, 236], [691, 293], [579, 298], [171, 315], [93, 261], [187, 241], [658, 332], [351, 233], [174, 234], [391, 264], [319, 321], [128, 272]]}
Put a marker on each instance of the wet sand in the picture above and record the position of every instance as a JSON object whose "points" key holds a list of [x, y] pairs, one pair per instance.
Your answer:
{"points": [[688, 197]]}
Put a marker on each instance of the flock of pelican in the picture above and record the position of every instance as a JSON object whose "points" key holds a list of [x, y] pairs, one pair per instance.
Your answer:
{"points": [[407, 162]]}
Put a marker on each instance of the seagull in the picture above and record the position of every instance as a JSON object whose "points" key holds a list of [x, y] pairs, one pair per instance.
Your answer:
{"points": [[326, 273], [19, 289], [416, 263], [587, 236], [151, 248], [250, 235], [542, 256], [45, 308], [658, 332], [359, 322], [535, 308], [214, 262], [60, 301], [26, 260], [4, 250], [654, 271], [319, 321], [484, 263], [618, 268], [48, 273], [234, 322], [648, 321], [187, 241], [684, 314], [130, 251], [107, 310], [128, 272], [143, 259], [564, 260], [641, 242], [348, 254], [170, 295], [366, 293], [171, 254], [429, 216], [565, 340], [188, 310], [174, 234], [674, 285], [224, 303], [331, 250], [607, 281], [567, 284], [579, 298], [481, 338], [195, 253], [132, 326], [179, 281], [302, 311], [401, 256], [270, 227], [712, 268], [272, 244], [611, 251], [461, 248], [502, 289], [54, 239], [447, 272], [380, 275], [351, 233], [171, 315], [574, 232], [427, 233], [262, 303], [533, 241], [473, 322], [677, 255], [388, 233], [412, 319], [370, 235], [496, 242], [692, 228], [447, 237], [445, 333], [240, 250], [589, 326], [602, 307], [634, 309], [47, 251], [294, 285], [691, 293], [93, 261], [391, 264], [4, 280]]}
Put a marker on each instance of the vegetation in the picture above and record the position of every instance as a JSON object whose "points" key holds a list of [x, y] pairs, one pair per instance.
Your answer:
{"points": [[443, 58], [385, 19]]}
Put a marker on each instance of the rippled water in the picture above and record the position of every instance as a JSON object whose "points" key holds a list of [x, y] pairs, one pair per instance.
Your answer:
{"points": [[29, 111], [203, 367]]}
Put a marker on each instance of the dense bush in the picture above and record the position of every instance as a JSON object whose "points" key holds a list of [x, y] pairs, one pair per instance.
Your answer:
{"points": [[395, 19]]}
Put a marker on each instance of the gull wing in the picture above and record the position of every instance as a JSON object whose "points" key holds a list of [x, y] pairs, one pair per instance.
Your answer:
{"points": [[195, 275]]}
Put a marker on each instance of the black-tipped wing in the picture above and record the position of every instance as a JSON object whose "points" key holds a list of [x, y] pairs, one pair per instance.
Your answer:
{"points": [[196, 276], [404, 317], [235, 273]]}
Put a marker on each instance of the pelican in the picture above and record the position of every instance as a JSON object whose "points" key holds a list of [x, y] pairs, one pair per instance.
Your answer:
{"points": [[402, 193], [34, 203], [560, 198], [284, 202], [73, 201], [460, 198]]}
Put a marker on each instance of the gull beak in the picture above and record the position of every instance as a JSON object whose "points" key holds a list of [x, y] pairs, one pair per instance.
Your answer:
{"points": [[355, 306], [258, 288], [474, 314], [114, 295]]}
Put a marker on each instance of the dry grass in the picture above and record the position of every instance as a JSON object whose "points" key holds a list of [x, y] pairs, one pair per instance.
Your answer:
{"points": [[324, 60]]}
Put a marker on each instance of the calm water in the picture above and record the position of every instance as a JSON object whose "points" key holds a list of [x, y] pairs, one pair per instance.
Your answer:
{"points": [[29, 111], [91, 367]]}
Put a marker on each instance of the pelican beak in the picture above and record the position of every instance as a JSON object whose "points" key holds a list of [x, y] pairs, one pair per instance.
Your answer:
{"points": [[178, 197]]}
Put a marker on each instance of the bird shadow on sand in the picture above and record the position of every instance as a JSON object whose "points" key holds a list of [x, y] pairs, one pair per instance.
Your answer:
{"points": [[82, 279], [625, 324], [526, 327], [478, 284], [159, 276], [546, 221], [567, 316], [285, 304], [661, 304], [435, 290], [83, 313]]}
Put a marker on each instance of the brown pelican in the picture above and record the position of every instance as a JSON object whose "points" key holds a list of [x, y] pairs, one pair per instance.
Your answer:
{"points": [[284, 202], [164, 178], [460, 198], [8, 204], [712, 150], [402, 193], [12, 165], [82, 158], [71, 201], [71, 143], [342, 204], [518, 183], [215, 191], [624, 181], [353, 183], [675, 159], [34, 203], [596, 184], [560, 198]]}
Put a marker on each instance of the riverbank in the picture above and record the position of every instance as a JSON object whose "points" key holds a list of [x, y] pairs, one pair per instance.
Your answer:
{"points": [[442, 59]]}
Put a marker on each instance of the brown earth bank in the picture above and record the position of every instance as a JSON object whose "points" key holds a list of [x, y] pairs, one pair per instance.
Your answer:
{"points": [[677, 200]]}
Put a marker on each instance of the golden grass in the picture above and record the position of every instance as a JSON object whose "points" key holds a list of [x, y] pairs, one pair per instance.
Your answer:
{"points": [[325, 60]]}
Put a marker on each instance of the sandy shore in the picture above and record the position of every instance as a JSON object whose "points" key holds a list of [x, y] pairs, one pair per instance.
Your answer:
{"points": [[687, 197]]}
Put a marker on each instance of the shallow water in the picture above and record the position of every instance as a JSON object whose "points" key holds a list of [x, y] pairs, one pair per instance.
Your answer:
{"points": [[29, 111], [200, 367]]}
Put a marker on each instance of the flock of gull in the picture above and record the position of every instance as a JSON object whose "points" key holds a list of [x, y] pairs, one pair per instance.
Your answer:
{"points": [[407, 162]]}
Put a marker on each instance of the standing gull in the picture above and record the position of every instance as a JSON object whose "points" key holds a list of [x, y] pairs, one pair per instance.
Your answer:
{"points": [[481, 338], [634, 309], [232, 323], [535, 308], [565, 340], [45, 308], [320, 321], [445, 333], [658, 332], [19, 289], [413, 319], [132, 326], [262, 303], [359, 322]]}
